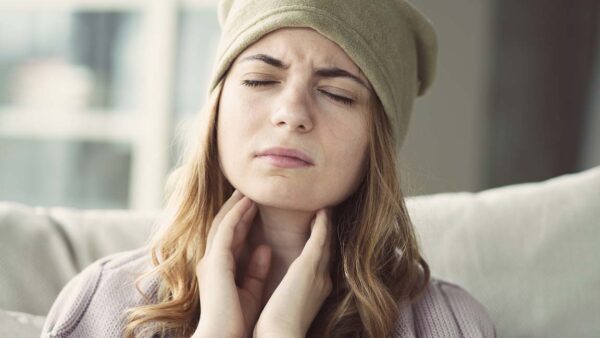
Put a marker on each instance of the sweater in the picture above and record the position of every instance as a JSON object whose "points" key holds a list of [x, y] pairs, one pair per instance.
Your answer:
{"points": [[92, 304]]}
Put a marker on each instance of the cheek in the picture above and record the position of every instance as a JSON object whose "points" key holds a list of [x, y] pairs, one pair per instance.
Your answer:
{"points": [[346, 162], [236, 129], [349, 161], [236, 118], [349, 138], [241, 114]]}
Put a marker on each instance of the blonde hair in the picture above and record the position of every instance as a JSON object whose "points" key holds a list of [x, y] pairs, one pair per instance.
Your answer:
{"points": [[375, 262]]}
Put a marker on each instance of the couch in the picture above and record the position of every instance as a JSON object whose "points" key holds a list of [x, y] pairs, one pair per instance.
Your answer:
{"points": [[529, 252]]}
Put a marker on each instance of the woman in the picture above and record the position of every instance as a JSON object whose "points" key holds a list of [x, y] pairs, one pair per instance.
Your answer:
{"points": [[285, 218]]}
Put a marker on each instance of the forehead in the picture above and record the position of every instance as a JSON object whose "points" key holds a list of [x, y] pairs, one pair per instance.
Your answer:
{"points": [[302, 44]]}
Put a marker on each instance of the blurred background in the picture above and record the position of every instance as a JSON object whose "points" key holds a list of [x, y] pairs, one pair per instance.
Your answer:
{"points": [[92, 93]]}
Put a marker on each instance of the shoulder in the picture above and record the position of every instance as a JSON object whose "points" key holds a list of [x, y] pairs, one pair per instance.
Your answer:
{"points": [[446, 309], [98, 295]]}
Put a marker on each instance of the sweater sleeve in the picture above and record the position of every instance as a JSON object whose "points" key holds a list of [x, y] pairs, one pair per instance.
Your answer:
{"points": [[472, 318], [446, 310], [72, 302], [93, 303]]}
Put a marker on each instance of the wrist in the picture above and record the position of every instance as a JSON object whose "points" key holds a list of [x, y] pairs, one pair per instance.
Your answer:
{"points": [[206, 334], [276, 333], [207, 331]]}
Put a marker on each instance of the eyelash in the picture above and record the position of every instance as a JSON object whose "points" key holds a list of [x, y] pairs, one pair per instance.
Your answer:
{"points": [[254, 83]]}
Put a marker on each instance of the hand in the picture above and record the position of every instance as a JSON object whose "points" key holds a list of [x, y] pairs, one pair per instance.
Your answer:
{"points": [[302, 291], [226, 309]]}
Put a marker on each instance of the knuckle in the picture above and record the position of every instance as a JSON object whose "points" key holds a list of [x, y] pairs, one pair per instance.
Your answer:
{"points": [[325, 285], [328, 284], [213, 226], [296, 264], [200, 267], [314, 267], [321, 241], [217, 219], [308, 260]]}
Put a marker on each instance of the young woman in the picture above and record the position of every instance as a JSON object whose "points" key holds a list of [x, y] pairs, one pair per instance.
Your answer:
{"points": [[285, 217]]}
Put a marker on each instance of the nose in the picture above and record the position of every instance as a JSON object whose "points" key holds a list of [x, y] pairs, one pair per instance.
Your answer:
{"points": [[293, 111]]}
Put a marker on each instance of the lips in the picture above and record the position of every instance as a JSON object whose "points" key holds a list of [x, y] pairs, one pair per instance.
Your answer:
{"points": [[287, 152]]}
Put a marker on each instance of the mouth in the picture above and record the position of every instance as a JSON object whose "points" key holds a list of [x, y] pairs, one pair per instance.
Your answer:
{"points": [[285, 157]]}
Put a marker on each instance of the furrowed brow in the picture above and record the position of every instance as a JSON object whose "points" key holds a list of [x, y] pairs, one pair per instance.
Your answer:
{"points": [[322, 72]]}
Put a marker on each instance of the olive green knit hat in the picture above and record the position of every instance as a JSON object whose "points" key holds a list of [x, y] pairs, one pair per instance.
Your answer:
{"points": [[393, 43]]}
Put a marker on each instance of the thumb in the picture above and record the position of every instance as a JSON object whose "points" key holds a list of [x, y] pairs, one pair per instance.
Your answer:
{"points": [[255, 280]]}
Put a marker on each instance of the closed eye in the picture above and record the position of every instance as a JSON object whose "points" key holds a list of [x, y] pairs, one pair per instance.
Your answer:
{"points": [[342, 99]]}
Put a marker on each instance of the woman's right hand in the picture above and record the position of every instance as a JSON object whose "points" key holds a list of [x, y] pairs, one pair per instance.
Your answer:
{"points": [[226, 309]]}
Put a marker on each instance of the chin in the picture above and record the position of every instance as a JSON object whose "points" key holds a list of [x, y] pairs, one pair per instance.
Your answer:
{"points": [[282, 196]]}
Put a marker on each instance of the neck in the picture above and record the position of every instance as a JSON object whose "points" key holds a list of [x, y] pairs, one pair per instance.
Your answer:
{"points": [[285, 232]]}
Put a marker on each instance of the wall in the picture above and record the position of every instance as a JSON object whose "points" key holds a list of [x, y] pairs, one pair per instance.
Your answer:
{"points": [[444, 143]]}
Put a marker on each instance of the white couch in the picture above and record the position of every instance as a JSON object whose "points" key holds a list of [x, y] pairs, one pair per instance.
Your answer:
{"points": [[529, 252]]}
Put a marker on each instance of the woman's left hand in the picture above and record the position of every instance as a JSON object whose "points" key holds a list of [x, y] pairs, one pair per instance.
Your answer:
{"points": [[302, 291]]}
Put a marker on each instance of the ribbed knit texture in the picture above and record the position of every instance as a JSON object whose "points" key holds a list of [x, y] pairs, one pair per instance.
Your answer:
{"points": [[92, 304]]}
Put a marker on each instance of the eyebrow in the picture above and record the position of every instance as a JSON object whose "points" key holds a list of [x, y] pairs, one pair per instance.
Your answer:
{"points": [[322, 72]]}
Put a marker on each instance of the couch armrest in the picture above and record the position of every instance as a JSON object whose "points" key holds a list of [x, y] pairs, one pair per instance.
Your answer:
{"points": [[41, 249]]}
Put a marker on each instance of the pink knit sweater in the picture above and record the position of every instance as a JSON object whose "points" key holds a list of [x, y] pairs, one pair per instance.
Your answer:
{"points": [[92, 304]]}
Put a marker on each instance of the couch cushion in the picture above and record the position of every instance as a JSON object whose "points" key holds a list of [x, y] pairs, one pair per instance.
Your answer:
{"points": [[21, 325], [528, 252], [43, 248]]}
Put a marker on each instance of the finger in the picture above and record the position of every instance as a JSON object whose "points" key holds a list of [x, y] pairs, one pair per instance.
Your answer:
{"points": [[314, 249], [326, 254], [242, 229], [256, 275], [224, 234], [228, 205], [324, 267], [318, 234]]}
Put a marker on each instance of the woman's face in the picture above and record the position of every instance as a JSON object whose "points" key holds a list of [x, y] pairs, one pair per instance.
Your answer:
{"points": [[298, 90]]}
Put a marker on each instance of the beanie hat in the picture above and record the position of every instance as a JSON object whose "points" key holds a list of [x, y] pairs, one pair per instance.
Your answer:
{"points": [[393, 43]]}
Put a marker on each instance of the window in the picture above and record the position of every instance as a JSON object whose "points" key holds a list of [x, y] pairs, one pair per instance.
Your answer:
{"points": [[91, 93]]}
